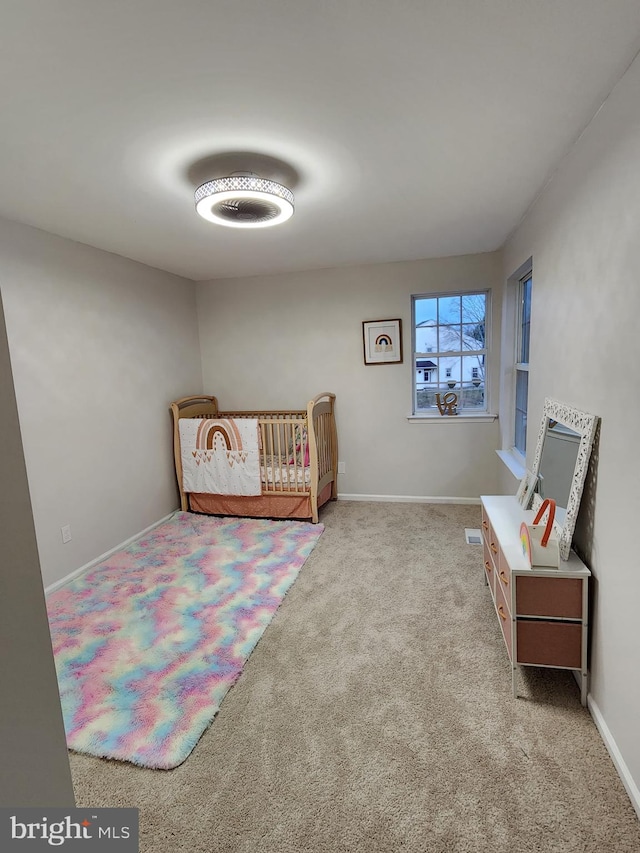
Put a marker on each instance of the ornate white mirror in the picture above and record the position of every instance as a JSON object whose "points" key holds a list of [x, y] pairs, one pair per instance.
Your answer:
{"points": [[560, 464]]}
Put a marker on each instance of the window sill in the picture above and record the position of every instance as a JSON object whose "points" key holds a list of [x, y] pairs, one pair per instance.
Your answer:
{"points": [[484, 418], [513, 462]]}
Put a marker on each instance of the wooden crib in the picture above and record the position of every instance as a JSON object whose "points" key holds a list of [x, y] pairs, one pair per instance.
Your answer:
{"points": [[298, 460]]}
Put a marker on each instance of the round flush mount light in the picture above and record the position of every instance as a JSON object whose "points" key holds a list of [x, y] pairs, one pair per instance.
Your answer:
{"points": [[244, 201]]}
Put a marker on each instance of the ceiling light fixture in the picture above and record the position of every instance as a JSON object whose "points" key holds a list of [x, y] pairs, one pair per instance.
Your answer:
{"points": [[244, 200]]}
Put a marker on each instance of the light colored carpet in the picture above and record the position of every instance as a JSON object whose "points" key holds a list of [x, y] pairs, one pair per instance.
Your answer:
{"points": [[375, 714]]}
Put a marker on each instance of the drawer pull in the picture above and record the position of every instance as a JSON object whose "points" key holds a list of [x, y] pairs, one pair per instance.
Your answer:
{"points": [[503, 615], [485, 525], [487, 565], [493, 548], [504, 578]]}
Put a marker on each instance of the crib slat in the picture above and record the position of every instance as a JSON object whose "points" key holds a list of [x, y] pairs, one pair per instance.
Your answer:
{"points": [[290, 432], [326, 443], [280, 468], [304, 439], [301, 457], [272, 456], [263, 454]]}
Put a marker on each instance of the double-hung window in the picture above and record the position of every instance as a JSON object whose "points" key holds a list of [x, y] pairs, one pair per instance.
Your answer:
{"points": [[450, 351], [523, 323]]}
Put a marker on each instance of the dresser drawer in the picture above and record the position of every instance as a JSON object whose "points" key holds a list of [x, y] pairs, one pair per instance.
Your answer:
{"points": [[503, 574], [490, 536], [486, 525], [489, 568], [492, 544], [549, 643], [504, 617], [560, 597]]}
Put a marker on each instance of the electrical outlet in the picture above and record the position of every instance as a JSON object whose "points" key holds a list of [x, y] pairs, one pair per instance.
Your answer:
{"points": [[341, 468], [66, 533]]}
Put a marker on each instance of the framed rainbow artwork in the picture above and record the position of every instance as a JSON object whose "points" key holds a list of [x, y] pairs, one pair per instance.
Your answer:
{"points": [[382, 341]]}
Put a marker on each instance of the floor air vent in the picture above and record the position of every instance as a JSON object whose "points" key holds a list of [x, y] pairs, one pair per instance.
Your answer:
{"points": [[473, 537]]}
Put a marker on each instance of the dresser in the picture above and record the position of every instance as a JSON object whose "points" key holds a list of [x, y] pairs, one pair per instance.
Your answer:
{"points": [[543, 613]]}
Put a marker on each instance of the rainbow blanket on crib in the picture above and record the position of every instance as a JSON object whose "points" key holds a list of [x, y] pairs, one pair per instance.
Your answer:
{"points": [[220, 456]]}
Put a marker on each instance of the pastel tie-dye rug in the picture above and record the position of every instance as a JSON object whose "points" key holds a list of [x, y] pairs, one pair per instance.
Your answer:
{"points": [[148, 642]]}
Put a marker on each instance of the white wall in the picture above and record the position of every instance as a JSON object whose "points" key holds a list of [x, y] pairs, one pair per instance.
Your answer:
{"points": [[99, 347], [584, 234], [276, 341]]}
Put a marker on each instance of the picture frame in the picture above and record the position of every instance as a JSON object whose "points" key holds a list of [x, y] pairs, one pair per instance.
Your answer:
{"points": [[526, 489], [382, 340]]}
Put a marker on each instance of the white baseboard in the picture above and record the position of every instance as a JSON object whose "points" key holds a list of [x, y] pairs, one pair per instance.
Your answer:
{"points": [[623, 771], [408, 499], [73, 575]]}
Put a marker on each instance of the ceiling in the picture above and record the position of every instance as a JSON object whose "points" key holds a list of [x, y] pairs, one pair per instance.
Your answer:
{"points": [[407, 128]]}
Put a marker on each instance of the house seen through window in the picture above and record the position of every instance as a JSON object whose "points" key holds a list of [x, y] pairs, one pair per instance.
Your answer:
{"points": [[450, 355]]}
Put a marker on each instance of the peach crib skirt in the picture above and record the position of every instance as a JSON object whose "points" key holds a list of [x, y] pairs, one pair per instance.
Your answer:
{"points": [[258, 506]]}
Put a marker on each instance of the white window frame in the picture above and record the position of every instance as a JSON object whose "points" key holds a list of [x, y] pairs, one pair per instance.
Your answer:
{"points": [[520, 366], [482, 414]]}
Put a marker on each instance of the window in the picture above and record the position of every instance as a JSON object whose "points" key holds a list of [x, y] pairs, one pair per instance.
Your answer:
{"points": [[523, 322], [452, 330]]}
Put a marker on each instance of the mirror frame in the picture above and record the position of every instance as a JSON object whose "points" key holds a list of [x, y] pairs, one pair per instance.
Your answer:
{"points": [[585, 425]]}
